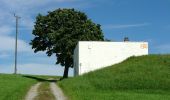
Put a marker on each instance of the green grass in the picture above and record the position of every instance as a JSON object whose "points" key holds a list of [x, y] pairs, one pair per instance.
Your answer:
{"points": [[137, 78], [14, 87], [44, 92]]}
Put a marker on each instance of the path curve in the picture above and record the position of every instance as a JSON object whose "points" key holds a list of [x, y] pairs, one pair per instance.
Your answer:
{"points": [[57, 92], [33, 92]]}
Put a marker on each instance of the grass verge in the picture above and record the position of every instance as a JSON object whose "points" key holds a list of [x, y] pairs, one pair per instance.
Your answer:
{"points": [[14, 87]]}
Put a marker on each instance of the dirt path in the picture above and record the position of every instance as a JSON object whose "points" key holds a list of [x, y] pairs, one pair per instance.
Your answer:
{"points": [[54, 90], [33, 92], [57, 92], [44, 92]]}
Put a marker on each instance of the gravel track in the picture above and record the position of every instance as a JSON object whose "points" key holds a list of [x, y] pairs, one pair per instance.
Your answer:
{"points": [[33, 92], [57, 92]]}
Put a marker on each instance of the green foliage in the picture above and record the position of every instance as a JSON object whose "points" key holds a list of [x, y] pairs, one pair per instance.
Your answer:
{"points": [[59, 31], [137, 78]]}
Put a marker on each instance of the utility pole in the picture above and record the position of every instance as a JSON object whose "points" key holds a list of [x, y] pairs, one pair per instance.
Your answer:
{"points": [[16, 42]]}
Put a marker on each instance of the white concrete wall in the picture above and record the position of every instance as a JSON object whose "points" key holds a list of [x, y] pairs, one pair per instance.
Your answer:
{"points": [[92, 55]]}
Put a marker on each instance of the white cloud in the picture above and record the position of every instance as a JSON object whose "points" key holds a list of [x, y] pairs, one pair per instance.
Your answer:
{"points": [[30, 4], [26, 9], [125, 26], [6, 30], [5, 16], [4, 55], [8, 44], [39, 69], [26, 22], [36, 69]]}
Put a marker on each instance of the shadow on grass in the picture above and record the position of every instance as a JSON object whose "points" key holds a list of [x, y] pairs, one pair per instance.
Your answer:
{"points": [[40, 79]]}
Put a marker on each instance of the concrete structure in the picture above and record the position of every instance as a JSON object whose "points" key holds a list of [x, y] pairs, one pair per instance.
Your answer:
{"points": [[92, 55]]}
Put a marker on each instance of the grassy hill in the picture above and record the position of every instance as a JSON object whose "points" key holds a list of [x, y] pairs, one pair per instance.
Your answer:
{"points": [[137, 78]]}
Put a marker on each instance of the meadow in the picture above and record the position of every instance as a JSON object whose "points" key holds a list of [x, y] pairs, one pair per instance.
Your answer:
{"points": [[137, 78], [14, 87]]}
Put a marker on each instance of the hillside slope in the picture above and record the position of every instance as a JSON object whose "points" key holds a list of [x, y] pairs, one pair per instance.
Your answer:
{"points": [[137, 78]]}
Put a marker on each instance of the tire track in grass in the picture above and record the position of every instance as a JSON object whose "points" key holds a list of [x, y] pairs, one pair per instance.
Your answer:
{"points": [[44, 92], [48, 90], [57, 92], [33, 92]]}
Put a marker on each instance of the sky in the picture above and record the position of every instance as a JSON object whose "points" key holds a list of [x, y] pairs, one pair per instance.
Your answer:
{"points": [[140, 20]]}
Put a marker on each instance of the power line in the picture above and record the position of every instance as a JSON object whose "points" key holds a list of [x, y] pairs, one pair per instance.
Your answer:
{"points": [[16, 42]]}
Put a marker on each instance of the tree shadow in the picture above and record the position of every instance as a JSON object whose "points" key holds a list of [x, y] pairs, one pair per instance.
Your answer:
{"points": [[40, 79]]}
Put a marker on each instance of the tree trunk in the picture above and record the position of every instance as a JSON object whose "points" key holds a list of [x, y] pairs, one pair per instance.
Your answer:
{"points": [[66, 69]]}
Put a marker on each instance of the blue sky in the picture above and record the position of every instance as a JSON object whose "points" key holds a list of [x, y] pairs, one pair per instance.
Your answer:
{"points": [[140, 20]]}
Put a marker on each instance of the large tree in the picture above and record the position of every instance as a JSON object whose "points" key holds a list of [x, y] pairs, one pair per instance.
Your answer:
{"points": [[59, 31]]}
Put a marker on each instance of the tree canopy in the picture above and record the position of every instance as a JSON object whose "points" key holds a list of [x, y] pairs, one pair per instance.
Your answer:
{"points": [[59, 31]]}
